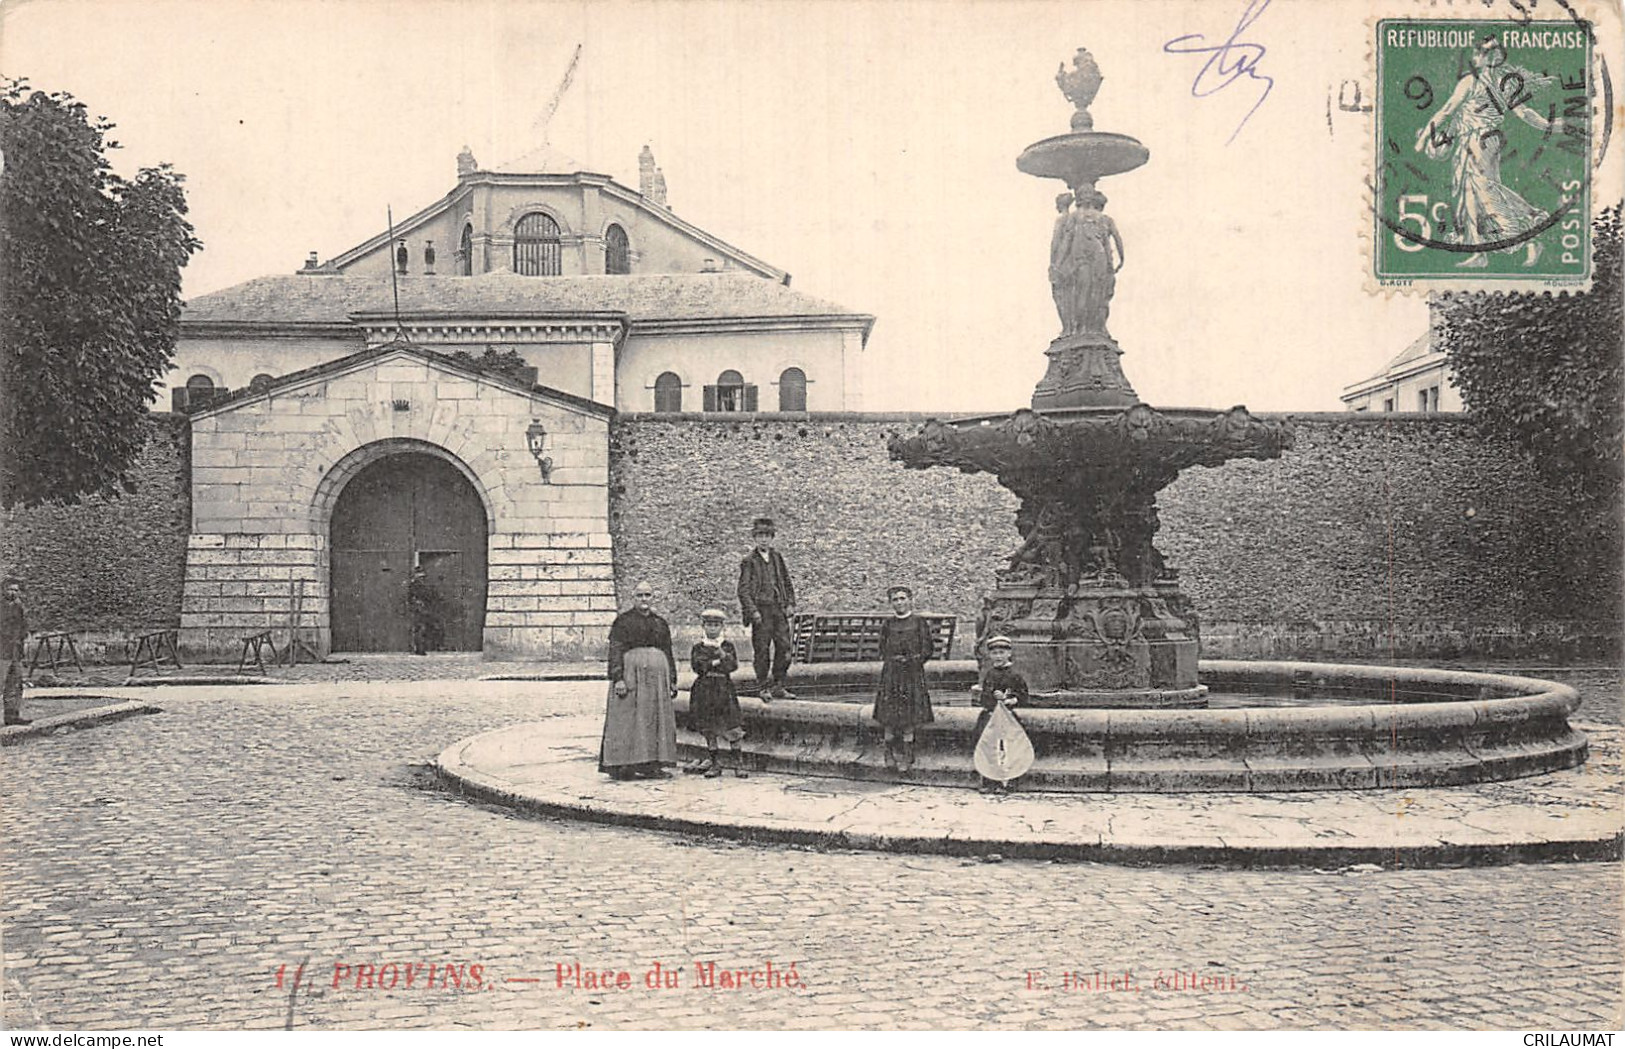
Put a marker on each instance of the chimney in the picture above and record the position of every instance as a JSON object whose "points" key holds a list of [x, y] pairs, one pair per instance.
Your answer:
{"points": [[659, 195], [646, 171], [710, 266], [312, 261], [466, 164]]}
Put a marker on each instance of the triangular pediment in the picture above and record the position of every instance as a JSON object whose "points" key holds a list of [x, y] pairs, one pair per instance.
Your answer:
{"points": [[375, 358]]}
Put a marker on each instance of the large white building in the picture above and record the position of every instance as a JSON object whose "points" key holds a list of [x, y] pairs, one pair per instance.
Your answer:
{"points": [[340, 439], [1417, 380]]}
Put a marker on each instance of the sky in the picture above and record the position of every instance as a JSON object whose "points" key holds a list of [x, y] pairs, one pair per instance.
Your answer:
{"points": [[866, 147]]}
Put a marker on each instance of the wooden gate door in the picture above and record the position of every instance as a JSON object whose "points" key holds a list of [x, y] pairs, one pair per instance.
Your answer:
{"points": [[404, 510]]}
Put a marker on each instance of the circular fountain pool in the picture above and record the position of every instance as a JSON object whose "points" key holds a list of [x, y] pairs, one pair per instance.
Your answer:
{"points": [[1269, 726]]}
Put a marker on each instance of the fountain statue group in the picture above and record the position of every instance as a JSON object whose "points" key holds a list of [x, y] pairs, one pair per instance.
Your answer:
{"points": [[1085, 253]]}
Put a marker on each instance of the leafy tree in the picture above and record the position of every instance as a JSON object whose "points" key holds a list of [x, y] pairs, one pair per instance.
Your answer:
{"points": [[89, 299], [1545, 372], [508, 364]]}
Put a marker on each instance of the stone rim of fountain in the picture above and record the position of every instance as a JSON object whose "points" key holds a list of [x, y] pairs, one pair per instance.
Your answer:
{"points": [[1490, 727]]}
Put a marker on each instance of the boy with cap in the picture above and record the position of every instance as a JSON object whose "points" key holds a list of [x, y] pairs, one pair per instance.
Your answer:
{"points": [[766, 600], [713, 702], [1002, 684]]}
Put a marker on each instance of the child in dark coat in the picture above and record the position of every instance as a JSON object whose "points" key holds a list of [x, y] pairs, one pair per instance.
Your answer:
{"points": [[713, 701]]}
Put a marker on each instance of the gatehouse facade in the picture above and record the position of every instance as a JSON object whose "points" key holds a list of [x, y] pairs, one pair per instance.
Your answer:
{"points": [[314, 498]]}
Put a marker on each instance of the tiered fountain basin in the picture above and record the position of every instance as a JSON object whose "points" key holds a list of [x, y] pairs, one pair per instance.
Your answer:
{"points": [[1268, 727]]}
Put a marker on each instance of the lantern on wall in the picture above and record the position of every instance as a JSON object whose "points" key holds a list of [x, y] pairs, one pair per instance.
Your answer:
{"points": [[536, 440]]}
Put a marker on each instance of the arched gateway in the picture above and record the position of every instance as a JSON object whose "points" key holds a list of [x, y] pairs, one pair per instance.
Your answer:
{"points": [[401, 512], [314, 496]]}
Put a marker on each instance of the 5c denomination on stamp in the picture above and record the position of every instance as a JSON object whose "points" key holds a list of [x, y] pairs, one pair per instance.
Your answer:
{"points": [[1483, 140]]}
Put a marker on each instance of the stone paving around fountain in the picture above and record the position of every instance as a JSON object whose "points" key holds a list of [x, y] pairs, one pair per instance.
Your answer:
{"points": [[160, 869], [550, 767]]}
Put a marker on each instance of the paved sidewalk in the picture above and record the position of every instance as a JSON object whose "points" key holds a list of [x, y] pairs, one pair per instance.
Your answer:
{"points": [[162, 870], [551, 767]]}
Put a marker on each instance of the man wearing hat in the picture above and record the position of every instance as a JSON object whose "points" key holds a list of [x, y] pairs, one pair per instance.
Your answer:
{"points": [[13, 632], [766, 600]]}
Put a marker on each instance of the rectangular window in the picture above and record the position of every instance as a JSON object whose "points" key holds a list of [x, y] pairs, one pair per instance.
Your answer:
{"points": [[1422, 400], [1387, 404]]}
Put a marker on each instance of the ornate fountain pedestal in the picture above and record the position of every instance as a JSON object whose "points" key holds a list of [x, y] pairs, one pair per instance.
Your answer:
{"points": [[1093, 611], [1099, 644]]}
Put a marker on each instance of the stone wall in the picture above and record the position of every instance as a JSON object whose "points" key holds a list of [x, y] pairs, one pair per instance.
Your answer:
{"points": [[109, 567], [1394, 535], [1378, 535]]}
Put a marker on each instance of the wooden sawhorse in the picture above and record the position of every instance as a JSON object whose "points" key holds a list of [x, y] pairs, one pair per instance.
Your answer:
{"points": [[254, 643], [153, 648], [56, 647]]}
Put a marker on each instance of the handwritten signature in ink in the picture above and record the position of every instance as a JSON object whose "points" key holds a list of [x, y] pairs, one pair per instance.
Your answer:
{"points": [[1227, 62]]}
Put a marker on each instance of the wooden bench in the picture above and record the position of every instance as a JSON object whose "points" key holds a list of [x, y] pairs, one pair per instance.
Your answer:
{"points": [[255, 644], [152, 648], [56, 647], [854, 637]]}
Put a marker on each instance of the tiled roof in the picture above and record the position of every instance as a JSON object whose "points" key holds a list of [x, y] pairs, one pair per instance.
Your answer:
{"points": [[326, 299]]}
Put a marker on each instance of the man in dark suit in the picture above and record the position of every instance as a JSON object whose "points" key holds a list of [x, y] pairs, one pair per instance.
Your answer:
{"points": [[767, 600], [13, 634]]}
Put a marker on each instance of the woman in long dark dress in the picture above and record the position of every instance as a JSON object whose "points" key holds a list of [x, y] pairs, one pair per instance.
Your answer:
{"points": [[713, 700], [902, 703], [640, 727]]}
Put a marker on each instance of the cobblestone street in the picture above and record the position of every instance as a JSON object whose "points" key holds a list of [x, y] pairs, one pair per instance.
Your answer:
{"points": [[161, 870]]}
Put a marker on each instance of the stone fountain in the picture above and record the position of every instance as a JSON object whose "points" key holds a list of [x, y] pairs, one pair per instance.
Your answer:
{"points": [[1092, 608], [1098, 623]]}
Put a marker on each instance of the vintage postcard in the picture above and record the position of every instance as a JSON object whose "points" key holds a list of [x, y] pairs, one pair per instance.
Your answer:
{"points": [[528, 515]]}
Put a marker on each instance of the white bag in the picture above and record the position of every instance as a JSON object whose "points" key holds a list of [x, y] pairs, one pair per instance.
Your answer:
{"points": [[1004, 752]]}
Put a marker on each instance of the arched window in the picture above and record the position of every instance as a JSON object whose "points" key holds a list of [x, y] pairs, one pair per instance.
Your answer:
{"points": [[200, 382], [536, 250], [730, 394], [792, 390], [668, 393], [617, 253], [259, 382], [465, 252]]}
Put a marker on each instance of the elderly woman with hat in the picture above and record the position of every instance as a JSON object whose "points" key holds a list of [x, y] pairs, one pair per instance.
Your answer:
{"points": [[640, 727], [902, 703], [713, 701]]}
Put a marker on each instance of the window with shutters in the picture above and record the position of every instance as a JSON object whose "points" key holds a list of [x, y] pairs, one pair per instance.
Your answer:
{"points": [[536, 248], [617, 252], [465, 252], [792, 390], [668, 393], [730, 394]]}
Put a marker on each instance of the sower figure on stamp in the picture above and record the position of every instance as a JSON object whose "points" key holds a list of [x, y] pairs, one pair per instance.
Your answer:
{"points": [[1467, 130], [767, 599], [13, 634], [713, 701], [902, 704], [640, 727]]}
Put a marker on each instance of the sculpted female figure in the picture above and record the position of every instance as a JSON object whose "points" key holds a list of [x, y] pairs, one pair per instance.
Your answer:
{"points": [[1063, 266], [1094, 236]]}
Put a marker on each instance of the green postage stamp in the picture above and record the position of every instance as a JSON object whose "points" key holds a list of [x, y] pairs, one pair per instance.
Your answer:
{"points": [[1483, 154]]}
